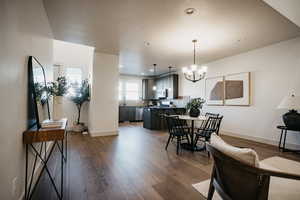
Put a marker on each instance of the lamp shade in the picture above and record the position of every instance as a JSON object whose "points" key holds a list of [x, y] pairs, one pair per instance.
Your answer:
{"points": [[290, 102]]}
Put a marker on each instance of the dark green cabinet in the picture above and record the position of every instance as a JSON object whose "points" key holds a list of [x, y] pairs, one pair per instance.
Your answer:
{"points": [[166, 87], [153, 117], [130, 113]]}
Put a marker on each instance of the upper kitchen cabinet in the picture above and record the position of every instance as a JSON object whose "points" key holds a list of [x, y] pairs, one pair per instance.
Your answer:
{"points": [[173, 85], [166, 87], [147, 87]]}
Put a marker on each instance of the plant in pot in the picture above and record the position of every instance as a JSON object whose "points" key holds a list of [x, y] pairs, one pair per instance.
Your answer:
{"points": [[194, 106], [80, 95], [58, 89], [41, 93]]}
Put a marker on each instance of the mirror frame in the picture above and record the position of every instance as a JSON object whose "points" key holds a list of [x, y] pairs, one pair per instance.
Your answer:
{"points": [[31, 89]]}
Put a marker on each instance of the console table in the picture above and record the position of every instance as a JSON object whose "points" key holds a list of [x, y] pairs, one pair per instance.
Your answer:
{"points": [[284, 131], [36, 141]]}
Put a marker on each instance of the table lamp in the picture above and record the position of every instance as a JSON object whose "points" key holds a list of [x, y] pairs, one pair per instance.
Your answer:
{"points": [[291, 119]]}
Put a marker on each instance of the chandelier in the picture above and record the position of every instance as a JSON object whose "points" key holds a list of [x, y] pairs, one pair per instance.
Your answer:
{"points": [[194, 73], [154, 74]]}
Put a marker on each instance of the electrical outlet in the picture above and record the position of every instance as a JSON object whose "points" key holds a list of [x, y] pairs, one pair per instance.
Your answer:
{"points": [[14, 187]]}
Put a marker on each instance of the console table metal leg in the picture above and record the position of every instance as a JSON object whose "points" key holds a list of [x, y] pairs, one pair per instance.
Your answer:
{"points": [[62, 170], [26, 170], [285, 133], [279, 145], [66, 145]]}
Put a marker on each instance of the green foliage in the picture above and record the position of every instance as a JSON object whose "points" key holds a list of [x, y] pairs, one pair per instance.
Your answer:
{"points": [[58, 87], [195, 103], [41, 93], [80, 94]]}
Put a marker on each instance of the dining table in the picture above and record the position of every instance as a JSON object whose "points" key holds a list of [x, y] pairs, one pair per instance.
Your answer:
{"points": [[191, 146]]}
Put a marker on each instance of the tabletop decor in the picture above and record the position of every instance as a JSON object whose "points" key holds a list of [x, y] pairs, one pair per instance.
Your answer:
{"points": [[41, 93], [58, 89], [291, 119], [194, 106]]}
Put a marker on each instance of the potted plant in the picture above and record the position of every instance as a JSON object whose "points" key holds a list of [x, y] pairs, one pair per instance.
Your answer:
{"points": [[80, 95], [194, 106], [58, 89], [41, 93]]}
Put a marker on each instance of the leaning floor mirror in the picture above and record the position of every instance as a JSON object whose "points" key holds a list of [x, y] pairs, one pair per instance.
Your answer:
{"points": [[38, 96]]}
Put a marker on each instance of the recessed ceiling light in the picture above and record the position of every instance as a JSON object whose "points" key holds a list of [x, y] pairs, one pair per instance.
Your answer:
{"points": [[121, 66], [190, 11], [147, 43]]}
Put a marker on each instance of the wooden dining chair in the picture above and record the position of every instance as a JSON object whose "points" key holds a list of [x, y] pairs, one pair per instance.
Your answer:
{"points": [[212, 125], [208, 114], [236, 180], [176, 130]]}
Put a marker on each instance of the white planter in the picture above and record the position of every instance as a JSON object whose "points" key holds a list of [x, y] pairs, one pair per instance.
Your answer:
{"points": [[57, 107], [79, 127]]}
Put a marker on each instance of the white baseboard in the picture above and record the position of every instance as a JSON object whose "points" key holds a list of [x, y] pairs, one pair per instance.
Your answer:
{"points": [[103, 133], [259, 139], [37, 172]]}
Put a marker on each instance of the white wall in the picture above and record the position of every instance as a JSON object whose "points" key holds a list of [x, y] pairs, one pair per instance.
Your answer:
{"points": [[103, 109], [275, 72], [25, 31], [66, 55]]}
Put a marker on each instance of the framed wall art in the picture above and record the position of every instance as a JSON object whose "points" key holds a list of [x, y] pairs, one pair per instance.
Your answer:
{"points": [[214, 90], [237, 89]]}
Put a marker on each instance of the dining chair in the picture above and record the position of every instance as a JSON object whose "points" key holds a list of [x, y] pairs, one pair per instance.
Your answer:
{"points": [[176, 130], [208, 114], [212, 125]]}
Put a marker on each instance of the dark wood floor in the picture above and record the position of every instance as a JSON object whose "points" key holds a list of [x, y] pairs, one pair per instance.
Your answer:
{"points": [[134, 165]]}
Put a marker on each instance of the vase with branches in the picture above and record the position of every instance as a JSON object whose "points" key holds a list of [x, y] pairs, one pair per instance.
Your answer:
{"points": [[59, 87], [194, 106], [41, 92]]}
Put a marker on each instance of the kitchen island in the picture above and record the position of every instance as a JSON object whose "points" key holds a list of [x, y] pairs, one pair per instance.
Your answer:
{"points": [[153, 119]]}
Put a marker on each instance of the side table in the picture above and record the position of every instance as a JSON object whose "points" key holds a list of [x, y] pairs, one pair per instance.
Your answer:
{"points": [[42, 136], [284, 131]]}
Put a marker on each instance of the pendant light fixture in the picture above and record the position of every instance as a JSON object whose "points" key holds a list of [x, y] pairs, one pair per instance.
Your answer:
{"points": [[169, 78], [154, 74], [194, 73]]}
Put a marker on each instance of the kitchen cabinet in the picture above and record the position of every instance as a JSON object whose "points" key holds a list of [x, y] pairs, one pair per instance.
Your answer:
{"points": [[147, 89], [166, 87], [153, 117], [130, 113]]}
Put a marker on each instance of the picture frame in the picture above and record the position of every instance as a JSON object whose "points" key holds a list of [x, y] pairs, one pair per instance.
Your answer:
{"points": [[214, 91], [237, 89]]}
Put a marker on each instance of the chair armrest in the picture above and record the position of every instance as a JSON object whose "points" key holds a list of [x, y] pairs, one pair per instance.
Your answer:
{"points": [[280, 174]]}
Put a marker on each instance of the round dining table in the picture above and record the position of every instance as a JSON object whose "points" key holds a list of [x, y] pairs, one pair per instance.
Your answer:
{"points": [[192, 146]]}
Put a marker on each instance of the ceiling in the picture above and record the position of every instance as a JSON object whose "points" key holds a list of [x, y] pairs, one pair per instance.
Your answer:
{"points": [[288, 8], [144, 32]]}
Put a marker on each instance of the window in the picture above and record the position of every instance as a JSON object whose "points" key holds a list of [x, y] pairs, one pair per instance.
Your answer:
{"points": [[129, 90], [74, 79], [73, 75], [120, 91], [132, 91]]}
